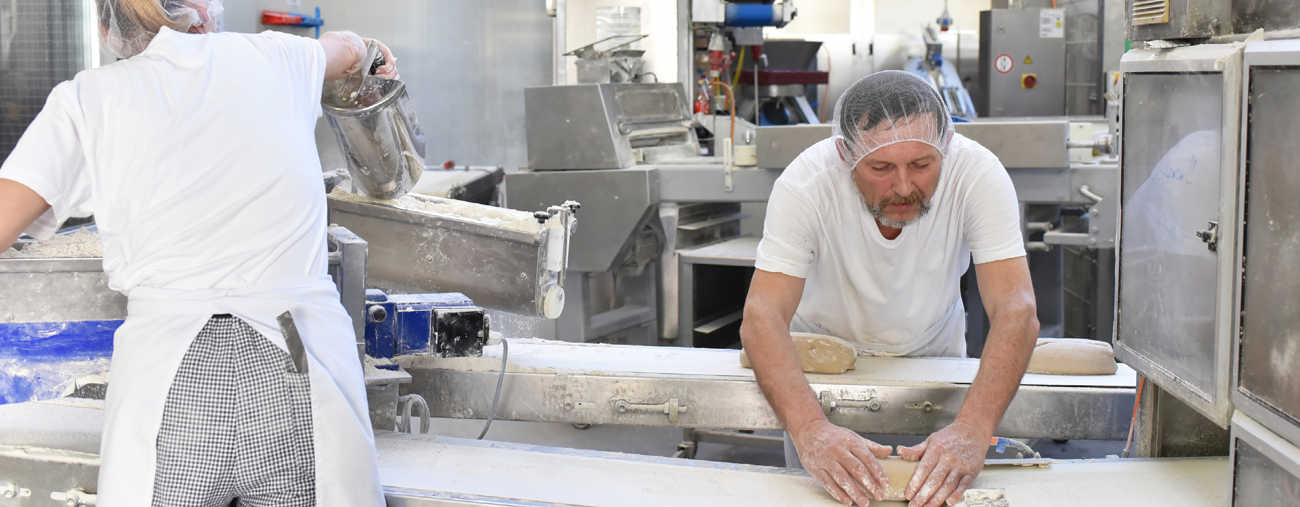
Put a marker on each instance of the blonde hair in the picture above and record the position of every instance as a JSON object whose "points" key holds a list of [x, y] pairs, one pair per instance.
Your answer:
{"points": [[129, 25]]}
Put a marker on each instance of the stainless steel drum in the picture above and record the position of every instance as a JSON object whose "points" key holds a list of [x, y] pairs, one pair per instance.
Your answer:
{"points": [[379, 134]]}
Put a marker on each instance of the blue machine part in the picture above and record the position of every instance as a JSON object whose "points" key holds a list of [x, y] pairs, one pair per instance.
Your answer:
{"points": [[403, 324], [742, 15], [40, 360]]}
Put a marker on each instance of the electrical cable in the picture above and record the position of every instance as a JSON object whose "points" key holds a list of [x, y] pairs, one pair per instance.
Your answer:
{"points": [[740, 64], [505, 352], [1133, 422]]}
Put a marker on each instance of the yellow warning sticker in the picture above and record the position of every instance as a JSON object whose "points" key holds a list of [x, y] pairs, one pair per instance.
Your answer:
{"points": [[1028, 60]]}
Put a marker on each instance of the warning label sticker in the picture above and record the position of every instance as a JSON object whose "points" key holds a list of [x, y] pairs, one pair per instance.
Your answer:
{"points": [[1051, 24]]}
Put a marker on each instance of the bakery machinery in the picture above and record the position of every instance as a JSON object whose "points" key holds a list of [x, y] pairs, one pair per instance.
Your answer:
{"points": [[942, 75], [1022, 63]]}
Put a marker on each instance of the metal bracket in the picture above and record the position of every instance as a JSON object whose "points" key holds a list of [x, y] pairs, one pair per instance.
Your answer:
{"points": [[671, 408], [74, 498], [1210, 236], [923, 406], [11, 491], [830, 402]]}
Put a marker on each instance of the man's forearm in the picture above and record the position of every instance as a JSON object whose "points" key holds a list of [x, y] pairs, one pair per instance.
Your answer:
{"points": [[779, 375], [1006, 355]]}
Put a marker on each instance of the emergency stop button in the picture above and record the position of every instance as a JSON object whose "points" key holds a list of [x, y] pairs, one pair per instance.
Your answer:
{"points": [[1028, 80]]}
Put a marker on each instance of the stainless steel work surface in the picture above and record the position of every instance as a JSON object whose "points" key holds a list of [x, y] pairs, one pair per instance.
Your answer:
{"points": [[707, 388], [445, 469], [543, 356], [733, 252]]}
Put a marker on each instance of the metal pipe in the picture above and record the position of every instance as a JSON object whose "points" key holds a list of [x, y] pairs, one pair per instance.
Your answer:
{"points": [[1290, 33], [1039, 226], [1037, 246]]}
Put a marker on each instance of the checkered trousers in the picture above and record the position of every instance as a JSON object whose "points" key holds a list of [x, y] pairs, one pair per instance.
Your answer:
{"points": [[236, 427]]}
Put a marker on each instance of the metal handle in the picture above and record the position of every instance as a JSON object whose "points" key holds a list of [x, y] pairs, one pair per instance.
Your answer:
{"points": [[671, 408], [1210, 236]]}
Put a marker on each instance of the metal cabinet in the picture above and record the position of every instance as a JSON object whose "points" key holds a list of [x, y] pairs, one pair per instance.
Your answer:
{"points": [[1266, 374], [1178, 163], [1265, 466]]}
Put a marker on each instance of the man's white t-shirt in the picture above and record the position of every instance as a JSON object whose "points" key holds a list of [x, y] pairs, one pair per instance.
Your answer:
{"points": [[900, 296]]}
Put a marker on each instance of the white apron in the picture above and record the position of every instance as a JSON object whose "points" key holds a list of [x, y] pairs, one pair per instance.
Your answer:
{"points": [[147, 352]]}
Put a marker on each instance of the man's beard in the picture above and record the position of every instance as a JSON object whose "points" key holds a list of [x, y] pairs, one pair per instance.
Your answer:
{"points": [[878, 210]]}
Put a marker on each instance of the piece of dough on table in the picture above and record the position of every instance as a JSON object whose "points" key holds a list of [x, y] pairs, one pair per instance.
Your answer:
{"points": [[1072, 356], [899, 472], [819, 353]]}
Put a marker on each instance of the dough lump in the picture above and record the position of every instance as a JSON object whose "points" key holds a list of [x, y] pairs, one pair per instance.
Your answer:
{"points": [[819, 353], [899, 472], [1072, 356]]}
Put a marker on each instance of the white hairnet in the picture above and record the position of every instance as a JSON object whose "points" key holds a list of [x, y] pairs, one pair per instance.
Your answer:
{"points": [[885, 108], [129, 25]]}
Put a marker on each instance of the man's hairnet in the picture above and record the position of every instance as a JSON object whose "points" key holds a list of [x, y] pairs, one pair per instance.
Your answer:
{"points": [[889, 107], [129, 25]]}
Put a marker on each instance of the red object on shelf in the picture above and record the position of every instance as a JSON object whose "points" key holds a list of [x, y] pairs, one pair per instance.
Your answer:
{"points": [[280, 18], [786, 77], [448, 165]]}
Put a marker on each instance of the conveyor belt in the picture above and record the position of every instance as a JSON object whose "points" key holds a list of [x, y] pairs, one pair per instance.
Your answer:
{"points": [[579, 383], [440, 471]]}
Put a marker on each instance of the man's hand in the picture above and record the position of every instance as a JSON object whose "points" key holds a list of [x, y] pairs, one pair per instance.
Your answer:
{"points": [[345, 53], [389, 68], [950, 460], [843, 462]]}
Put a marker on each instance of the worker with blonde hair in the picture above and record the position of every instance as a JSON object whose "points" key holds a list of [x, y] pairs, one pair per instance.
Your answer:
{"points": [[235, 377]]}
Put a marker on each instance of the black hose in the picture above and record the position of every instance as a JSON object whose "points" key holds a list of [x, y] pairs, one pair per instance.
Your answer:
{"points": [[505, 351]]}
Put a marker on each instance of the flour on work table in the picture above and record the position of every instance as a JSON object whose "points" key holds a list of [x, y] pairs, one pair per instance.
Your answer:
{"points": [[515, 220], [81, 244]]}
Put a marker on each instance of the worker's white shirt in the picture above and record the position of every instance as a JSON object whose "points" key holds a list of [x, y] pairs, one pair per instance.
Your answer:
{"points": [[198, 160], [895, 297]]}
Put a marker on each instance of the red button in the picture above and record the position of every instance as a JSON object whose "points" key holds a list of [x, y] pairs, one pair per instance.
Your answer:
{"points": [[1028, 81]]}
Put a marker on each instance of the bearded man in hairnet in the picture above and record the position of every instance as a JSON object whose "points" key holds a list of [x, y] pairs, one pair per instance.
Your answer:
{"points": [[866, 238], [236, 378]]}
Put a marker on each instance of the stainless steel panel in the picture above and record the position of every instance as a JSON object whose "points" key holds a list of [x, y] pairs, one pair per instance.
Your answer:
{"points": [[606, 126], [1022, 144], [1186, 19], [571, 127], [465, 64], [1267, 380], [1265, 466], [1172, 128], [708, 183], [412, 252], [1174, 318], [727, 402], [57, 290], [614, 205], [1015, 32], [780, 145]]}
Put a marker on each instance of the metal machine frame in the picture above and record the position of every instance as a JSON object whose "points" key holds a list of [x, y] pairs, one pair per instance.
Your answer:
{"points": [[1272, 54], [1224, 60], [1277, 450]]}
